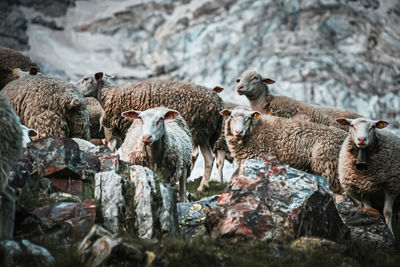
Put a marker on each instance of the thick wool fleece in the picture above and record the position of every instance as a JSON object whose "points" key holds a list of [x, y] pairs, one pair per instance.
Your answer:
{"points": [[302, 145], [10, 140], [49, 105], [383, 172]]}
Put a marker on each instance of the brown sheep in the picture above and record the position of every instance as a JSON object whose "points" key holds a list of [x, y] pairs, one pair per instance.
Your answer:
{"points": [[198, 105]]}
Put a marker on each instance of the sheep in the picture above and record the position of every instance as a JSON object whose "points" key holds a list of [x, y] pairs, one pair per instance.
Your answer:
{"points": [[255, 88], [302, 145], [198, 105], [221, 149], [160, 139], [9, 60], [10, 140], [95, 113], [369, 163], [50, 105]]}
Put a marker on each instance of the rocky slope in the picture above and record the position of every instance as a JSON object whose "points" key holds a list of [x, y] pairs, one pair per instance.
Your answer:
{"points": [[338, 53]]}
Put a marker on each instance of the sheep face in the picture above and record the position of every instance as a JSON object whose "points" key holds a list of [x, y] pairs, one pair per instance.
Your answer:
{"points": [[240, 121], [252, 83], [18, 73], [89, 84], [152, 122], [362, 131]]}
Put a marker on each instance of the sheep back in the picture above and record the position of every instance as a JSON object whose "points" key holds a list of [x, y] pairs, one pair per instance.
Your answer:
{"points": [[198, 105], [10, 140], [50, 105]]}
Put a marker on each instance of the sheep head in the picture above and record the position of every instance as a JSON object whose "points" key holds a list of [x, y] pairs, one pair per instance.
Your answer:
{"points": [[152, 122], [362, 131], [252, 84], [240, 121], [90, 85]]}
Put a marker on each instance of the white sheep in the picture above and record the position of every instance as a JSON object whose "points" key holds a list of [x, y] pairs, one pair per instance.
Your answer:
{"points": [[303, 145], [255, 88], [369, 163], [159, 138]]}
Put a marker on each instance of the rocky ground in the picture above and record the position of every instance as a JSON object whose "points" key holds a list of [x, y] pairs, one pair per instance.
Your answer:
{"points": [[81, 206]]}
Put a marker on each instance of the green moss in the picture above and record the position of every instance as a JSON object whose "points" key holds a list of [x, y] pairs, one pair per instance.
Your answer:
{"points": [[87, 190], [215, 188]]}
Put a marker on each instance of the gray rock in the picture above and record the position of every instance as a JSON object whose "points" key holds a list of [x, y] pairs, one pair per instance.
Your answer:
{"points": [[137, 203], [7, 213], [25, 253]]}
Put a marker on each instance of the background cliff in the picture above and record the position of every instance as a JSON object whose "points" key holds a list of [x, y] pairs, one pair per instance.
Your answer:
{"points": [[338, 53]]}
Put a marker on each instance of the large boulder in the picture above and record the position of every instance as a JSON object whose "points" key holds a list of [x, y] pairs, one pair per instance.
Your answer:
{"points": [[136, 202], [269, 201]]}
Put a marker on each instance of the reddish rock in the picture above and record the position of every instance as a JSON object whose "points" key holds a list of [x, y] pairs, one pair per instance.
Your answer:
{"points": [[80, 215], [269, 201], [69, 186]]}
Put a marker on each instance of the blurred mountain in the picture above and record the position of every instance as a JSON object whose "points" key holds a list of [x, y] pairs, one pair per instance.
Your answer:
{"points": [[339, 53]]}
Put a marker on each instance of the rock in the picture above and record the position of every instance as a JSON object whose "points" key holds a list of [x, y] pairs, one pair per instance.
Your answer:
{"points": [[136, 203], [60, 157], [269, 201], [192, 217], [7, 213], [101, 248], [81, 216], [25, 253], [13, 26], [69, 186], [367, 230]]}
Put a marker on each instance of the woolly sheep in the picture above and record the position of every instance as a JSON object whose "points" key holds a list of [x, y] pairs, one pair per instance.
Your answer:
{"points": [[302, 145], [50, 105], [198, 105], [160, 139], [9, 60], [369, 163], [10, 140], [95, 113], [255, 88], [221, 149]]}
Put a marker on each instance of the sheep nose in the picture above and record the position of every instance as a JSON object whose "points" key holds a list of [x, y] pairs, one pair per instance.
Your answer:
{"points": [[240, 87], [238, 132], [146, 139], [361, 140]]}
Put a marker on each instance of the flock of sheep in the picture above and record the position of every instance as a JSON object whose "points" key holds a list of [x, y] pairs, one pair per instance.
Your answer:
{"points": [[161, 124]]}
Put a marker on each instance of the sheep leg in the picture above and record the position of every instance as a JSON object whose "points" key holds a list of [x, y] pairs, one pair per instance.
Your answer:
{"points": [[387, 209], [195, 154], [220, 164], [182, 187], [208, 164]]}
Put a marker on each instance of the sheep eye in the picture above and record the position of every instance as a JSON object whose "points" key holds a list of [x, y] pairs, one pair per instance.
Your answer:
{"points": [[86, 79], [351, 125], [159, 120], [255, 78], [238, 80]]}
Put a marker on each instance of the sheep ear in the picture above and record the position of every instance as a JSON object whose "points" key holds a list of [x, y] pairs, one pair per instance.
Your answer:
{"points": [[98, 76], [32, 132], [218, 89], [15, 72], [256, 115], [381, 124], [130, 114], [267, 80], [226, 112], [343, 121], [171, 114], [33, 70]]}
